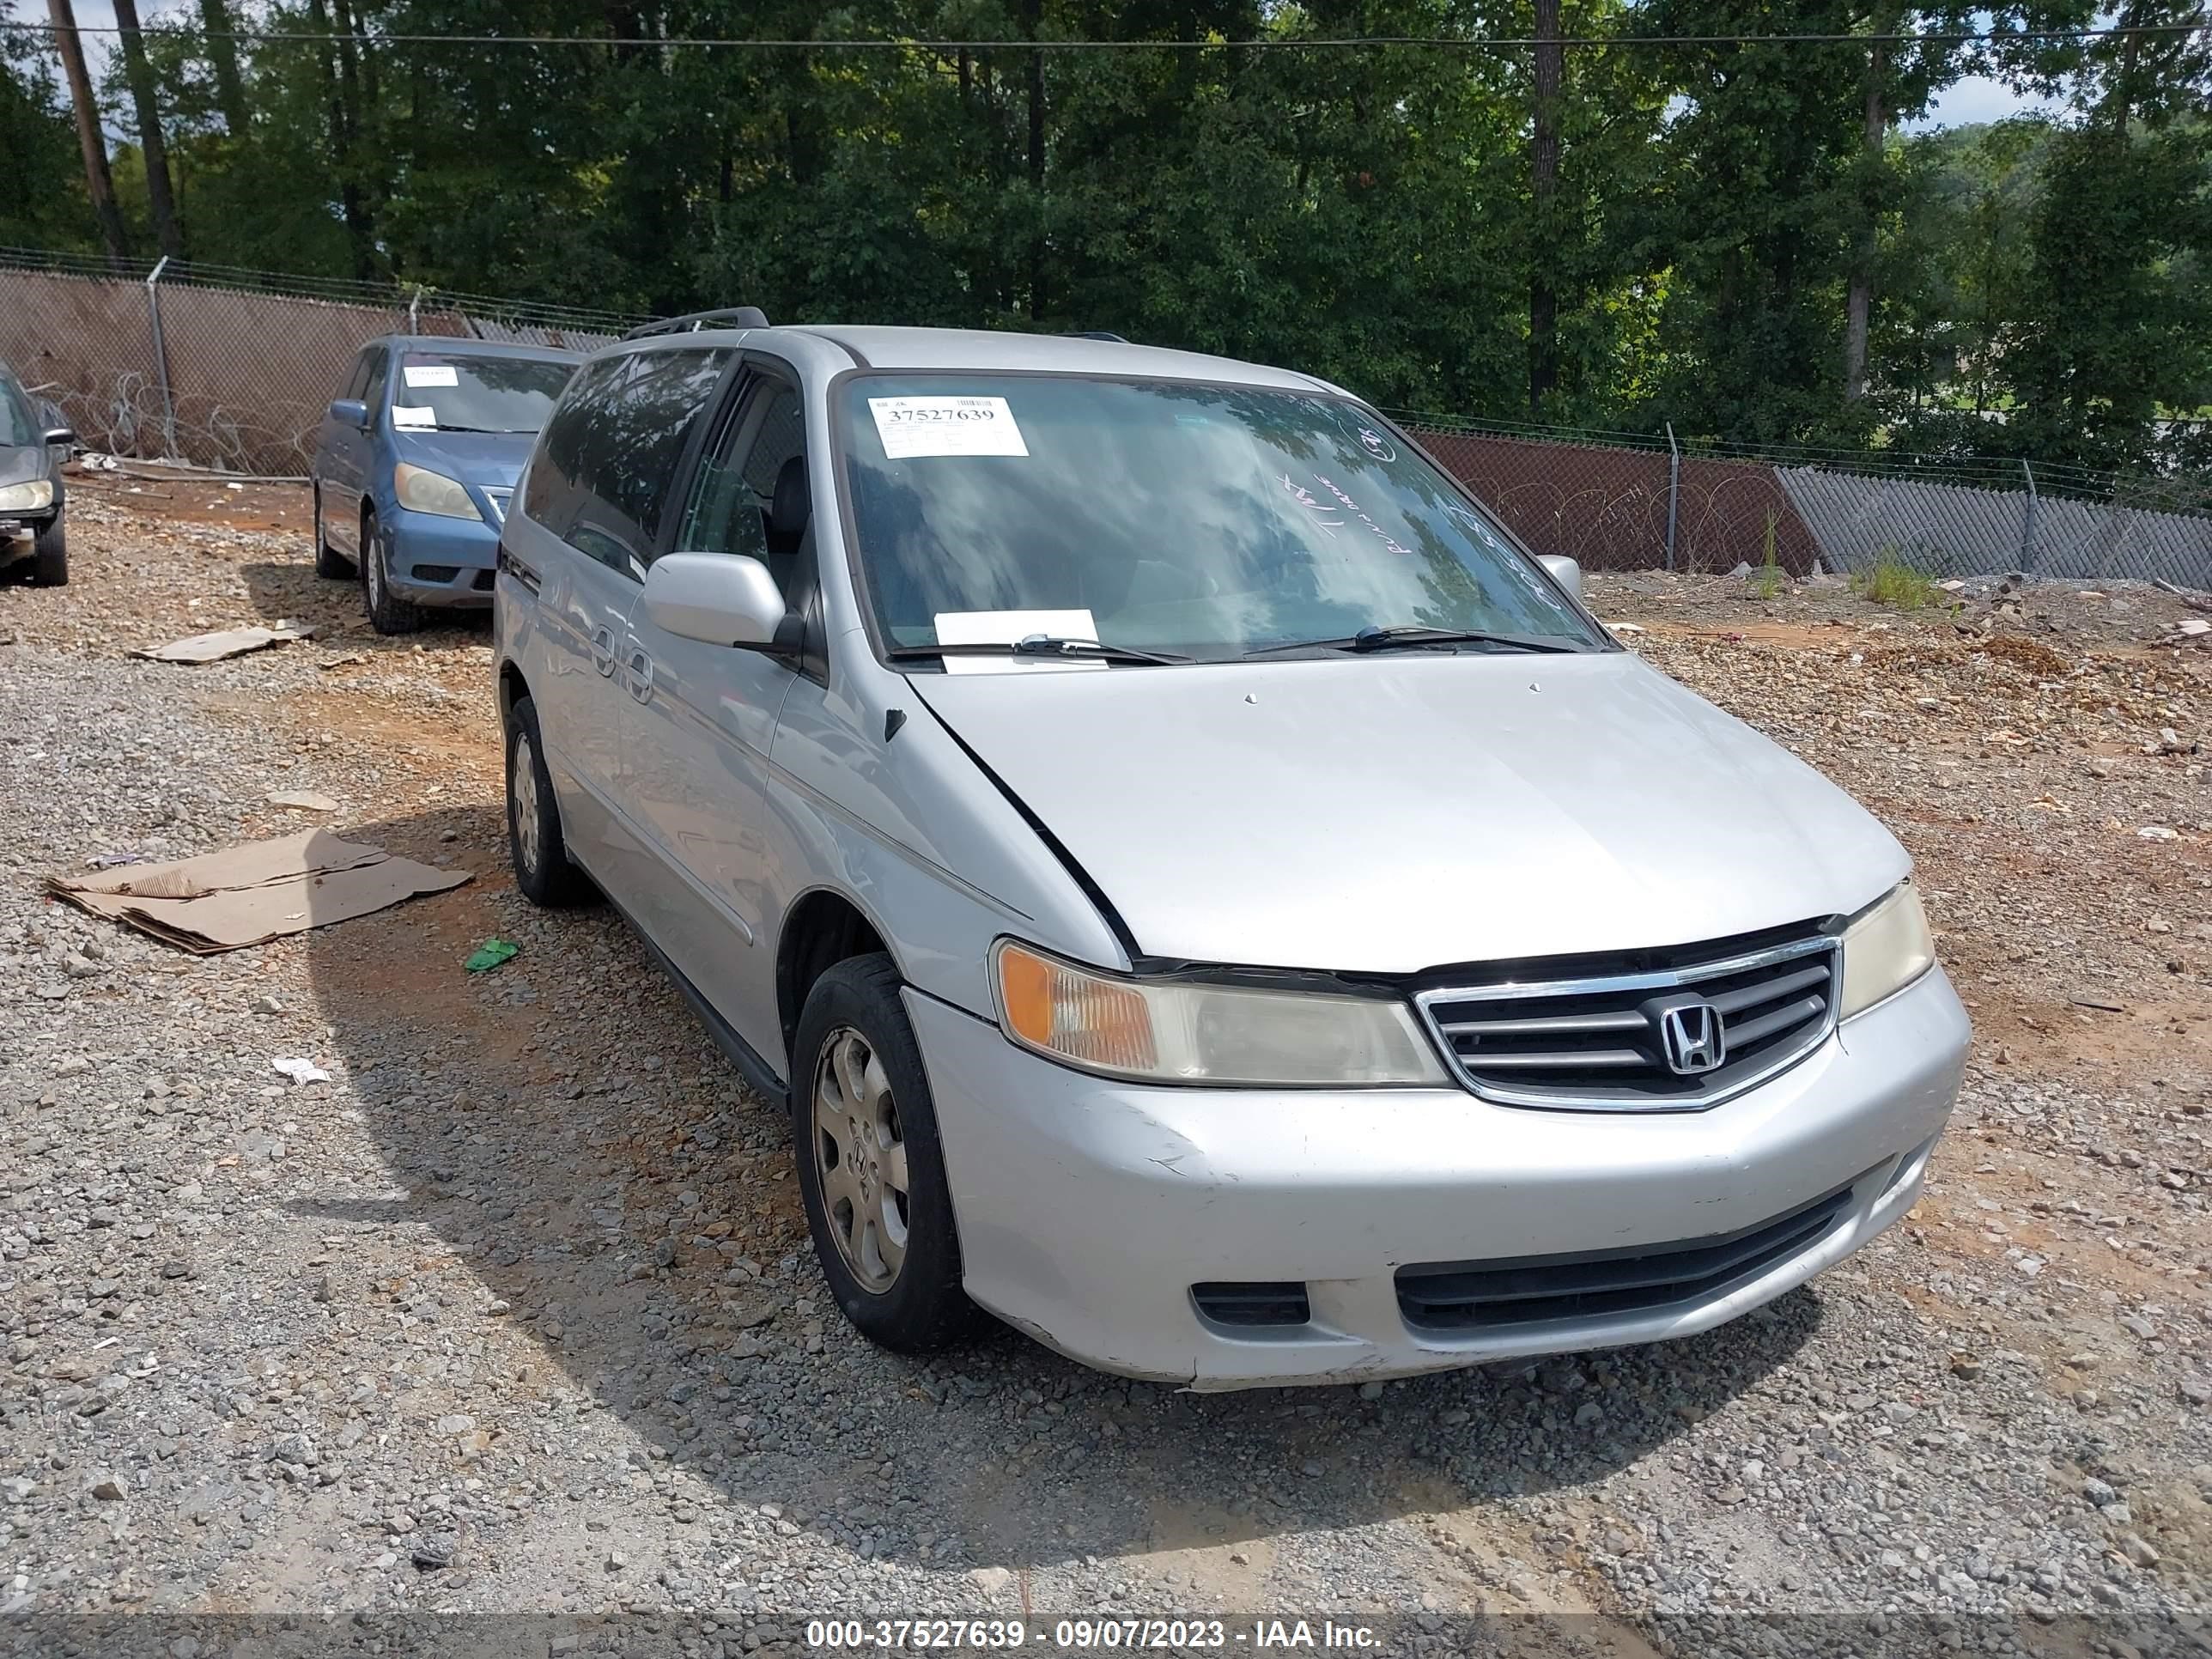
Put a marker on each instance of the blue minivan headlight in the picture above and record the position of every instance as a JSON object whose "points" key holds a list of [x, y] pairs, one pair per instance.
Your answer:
{"points": [[426, 491]]}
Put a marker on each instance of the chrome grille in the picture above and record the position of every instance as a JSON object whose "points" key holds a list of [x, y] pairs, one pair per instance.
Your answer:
{"points": [[499, 499], [1595, 1040]]}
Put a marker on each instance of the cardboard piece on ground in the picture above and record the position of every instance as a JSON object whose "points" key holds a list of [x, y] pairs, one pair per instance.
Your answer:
{"points": [[246, 895], [227, 642]]}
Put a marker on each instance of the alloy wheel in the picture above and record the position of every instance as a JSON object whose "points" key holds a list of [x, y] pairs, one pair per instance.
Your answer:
{"points": [[522, 791], [860, 1156]]}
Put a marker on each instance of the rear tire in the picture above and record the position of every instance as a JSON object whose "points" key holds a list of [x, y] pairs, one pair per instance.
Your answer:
{"points": [[50, 556], [329, 561], [387, 613], [871, 1168], [544, 873]]}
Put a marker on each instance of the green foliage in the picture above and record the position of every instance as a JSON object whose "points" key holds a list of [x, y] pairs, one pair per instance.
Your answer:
{"points": [[1767, 581], [1369, 215], [1895, 582], [42, 196]]}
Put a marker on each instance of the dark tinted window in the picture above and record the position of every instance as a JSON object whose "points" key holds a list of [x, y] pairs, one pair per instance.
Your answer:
{"points": [[358, 381], [379, 370], [601, 476], [18, 420], [734, 488]]}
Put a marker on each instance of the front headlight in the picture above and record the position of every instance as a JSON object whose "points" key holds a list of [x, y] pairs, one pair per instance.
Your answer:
{"points": [[1885, 949], [31, 497], [432, 492], [1165, 1032]]}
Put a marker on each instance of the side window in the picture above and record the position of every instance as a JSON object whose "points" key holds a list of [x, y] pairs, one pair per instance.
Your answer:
{"points": [[379, 368], [733, 506], [357, 379], [620, 451], [551, 487]]}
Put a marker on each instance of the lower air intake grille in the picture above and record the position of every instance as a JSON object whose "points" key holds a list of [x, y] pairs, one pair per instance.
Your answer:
{"points": [[1252, 1303], [1673, 1031], [1464, 1296]]}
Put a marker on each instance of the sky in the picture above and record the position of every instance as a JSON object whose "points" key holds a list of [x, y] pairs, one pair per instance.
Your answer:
{"points": [[1978, 98]]}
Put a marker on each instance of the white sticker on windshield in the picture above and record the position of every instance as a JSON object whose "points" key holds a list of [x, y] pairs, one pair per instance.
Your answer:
{"points": [[431, 374], [1003, 628], [911, 427], [414, 414]]}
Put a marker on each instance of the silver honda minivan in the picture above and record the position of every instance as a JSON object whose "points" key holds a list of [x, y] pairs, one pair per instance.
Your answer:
{"points": [[1204, 891]]}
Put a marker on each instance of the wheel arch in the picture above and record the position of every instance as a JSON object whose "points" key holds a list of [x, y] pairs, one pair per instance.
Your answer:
{"points": [[822, 927], [513, 687]]}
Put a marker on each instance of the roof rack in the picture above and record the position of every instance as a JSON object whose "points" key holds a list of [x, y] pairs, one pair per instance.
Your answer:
{"points": [[1098, 334], [692, 322]]}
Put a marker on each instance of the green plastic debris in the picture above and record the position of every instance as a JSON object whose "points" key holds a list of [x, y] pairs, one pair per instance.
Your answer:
{"points": [[488, 955]]}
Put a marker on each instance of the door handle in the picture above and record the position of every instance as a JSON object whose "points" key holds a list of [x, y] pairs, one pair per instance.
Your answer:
{"points": [[640, 674], [603, 650]]}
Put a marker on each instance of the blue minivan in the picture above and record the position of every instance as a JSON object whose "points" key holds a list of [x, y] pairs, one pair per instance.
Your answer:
{"points": [[415, 461]]}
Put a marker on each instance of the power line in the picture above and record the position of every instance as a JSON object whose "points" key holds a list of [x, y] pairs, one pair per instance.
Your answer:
{"points": [[1280, 43]]}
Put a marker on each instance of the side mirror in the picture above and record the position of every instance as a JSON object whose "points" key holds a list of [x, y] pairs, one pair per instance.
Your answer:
{"points": [[1564, 571], [718, 598], [349, 411], [57, 435]]}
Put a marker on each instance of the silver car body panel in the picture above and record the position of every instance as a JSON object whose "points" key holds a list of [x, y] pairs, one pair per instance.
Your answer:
{"points": [[1390, 815], [1381, 815], [1088, 1209]]}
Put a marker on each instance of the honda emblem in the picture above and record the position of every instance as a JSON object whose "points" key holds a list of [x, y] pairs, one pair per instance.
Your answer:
{"points": [[1693, 1038]]}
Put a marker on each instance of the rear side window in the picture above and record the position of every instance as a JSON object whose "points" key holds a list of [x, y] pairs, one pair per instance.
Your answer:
{"points": [[601, 476]]}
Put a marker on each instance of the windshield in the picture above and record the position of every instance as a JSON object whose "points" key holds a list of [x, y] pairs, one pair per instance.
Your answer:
{"points": [[18, 425], [476, 394], [1204, 520]]}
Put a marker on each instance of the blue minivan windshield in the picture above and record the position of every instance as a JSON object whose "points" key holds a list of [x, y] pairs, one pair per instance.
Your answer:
{"points": [[440, 392], [1210, 521]]}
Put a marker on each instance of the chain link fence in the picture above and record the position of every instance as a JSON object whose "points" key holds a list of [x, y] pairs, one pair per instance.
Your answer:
{"points": [[1628, 502], [226, 369], [233, 369]]}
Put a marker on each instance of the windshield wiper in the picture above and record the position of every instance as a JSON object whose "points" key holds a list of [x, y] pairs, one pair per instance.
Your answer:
{"points": [[1039, 645], [486, 431], [1395, 639]]}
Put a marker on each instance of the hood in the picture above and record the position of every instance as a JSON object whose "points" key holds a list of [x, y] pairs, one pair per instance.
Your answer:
{"points": [[20, 463], [1385, 815], [492, 459]]}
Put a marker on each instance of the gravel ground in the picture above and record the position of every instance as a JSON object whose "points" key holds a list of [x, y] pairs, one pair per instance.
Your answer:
{"points": [[517, 1313]]}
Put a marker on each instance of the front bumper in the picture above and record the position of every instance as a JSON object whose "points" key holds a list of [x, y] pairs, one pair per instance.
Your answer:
{"points": [[435, 560], [19, 532], [1088, 1208]]}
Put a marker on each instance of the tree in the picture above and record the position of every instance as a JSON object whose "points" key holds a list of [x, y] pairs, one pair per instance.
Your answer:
{"points": [[222, 55], [146, 102], [99, 184], [42, 201]]}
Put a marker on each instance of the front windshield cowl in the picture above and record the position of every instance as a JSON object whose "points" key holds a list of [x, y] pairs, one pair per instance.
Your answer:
{"points": [[1191, 519]]}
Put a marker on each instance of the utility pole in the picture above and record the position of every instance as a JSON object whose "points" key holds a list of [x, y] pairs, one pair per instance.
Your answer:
{"points": [[1543, 195], [97, 183], [145, 97]]}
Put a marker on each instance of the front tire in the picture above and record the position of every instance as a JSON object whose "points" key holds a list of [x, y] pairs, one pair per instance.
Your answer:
{"points": [[329, 561], [50, 556], [544, 872], [871, 1168], [387, 613]]}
